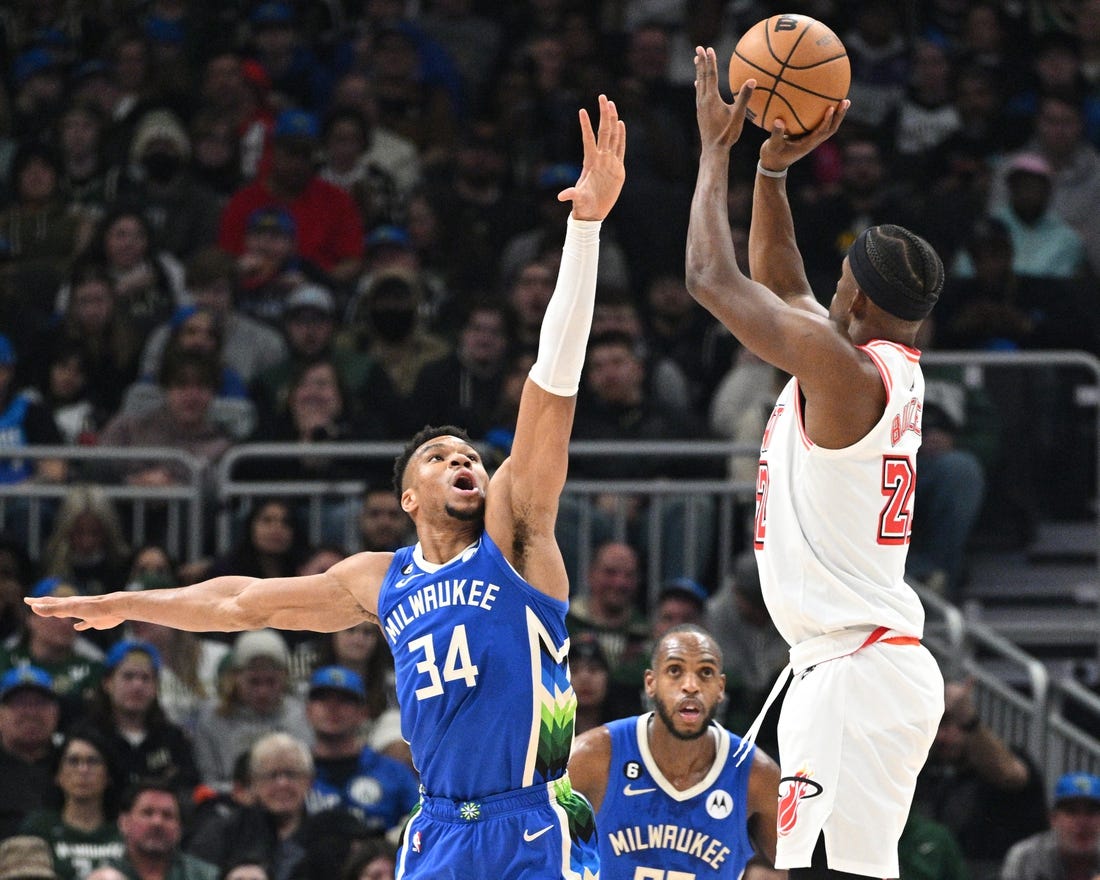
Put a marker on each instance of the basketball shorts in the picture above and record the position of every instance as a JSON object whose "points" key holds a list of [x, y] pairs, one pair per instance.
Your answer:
{"points": [[539, 833], [854, 733]]}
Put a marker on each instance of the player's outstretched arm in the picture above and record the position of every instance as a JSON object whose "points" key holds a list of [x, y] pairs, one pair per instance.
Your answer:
{"points": [[590, 763], [321, 602], [802, 342]]}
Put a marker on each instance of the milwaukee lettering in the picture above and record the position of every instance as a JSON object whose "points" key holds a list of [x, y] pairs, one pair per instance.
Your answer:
{"points": [[442, 594], [686, 840]]}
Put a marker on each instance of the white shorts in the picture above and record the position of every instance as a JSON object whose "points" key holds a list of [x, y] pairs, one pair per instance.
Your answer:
{"points": [[854, 733]]}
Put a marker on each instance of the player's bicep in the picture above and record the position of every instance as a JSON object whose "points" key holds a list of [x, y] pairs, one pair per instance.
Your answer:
{"points": [[334, 600], [588, 764]]}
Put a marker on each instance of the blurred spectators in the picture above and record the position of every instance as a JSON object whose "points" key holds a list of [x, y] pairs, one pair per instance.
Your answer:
{"points": [[255, 700], [1071, 848], [329, 228], [126, 713], [29, 715], [82, 832], [87, 547], [349, 774], [152, 826], [362, 650]]}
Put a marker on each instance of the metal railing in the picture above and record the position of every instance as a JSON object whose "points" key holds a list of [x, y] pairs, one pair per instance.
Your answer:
{"points": [[182, 504], [1030, 714]]}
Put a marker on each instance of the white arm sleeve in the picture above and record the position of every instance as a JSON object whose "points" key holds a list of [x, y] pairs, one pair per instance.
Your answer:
{"points": [[564, 334]]}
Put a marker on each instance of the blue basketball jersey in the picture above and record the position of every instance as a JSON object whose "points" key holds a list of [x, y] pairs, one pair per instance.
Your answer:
{"points": [[647, 828], [482, 680]]}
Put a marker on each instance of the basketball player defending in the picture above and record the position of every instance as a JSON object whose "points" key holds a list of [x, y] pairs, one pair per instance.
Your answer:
{"points": [[474, 613], [670, 796], [834, 495]]}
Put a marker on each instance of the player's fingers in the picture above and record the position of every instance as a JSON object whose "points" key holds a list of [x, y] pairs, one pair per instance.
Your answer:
{"points": [[620, 140], [744, 94], [704, 70], [609, 115], [588, 137]]}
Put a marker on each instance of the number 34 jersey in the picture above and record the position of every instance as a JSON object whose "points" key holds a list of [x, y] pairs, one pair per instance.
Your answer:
{"points": [[649, 829], [482, 677], [832, 525]]}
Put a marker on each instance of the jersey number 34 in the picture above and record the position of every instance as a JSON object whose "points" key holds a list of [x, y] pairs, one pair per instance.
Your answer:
{"points": [[457, 665]]}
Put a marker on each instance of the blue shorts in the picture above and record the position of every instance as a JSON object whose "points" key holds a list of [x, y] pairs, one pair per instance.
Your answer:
{"points": [[538, 833]]}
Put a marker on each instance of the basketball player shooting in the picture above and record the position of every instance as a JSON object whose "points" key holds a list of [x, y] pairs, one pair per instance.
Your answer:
{"points": [[834, 496], [474, 613]]}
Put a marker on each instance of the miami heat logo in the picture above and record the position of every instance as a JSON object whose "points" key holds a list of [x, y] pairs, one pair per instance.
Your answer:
{"points": [[799, 786]]}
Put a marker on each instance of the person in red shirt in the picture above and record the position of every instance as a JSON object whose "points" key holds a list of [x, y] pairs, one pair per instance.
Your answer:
{"points": [[330, 230]]}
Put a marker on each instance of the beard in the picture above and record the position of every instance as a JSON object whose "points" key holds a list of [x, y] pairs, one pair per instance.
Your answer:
{"points": [[666, 718], [475, 515]]}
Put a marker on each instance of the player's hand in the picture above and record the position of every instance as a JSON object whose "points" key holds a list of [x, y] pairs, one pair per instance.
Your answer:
{"points": [[89, 615], [602, 174], [779, 151], [720, 124]]}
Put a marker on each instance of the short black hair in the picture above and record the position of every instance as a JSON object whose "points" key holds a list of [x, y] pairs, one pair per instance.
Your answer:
{"points": [[138, 788], [419, 439], [684, 628], [180, 366]]}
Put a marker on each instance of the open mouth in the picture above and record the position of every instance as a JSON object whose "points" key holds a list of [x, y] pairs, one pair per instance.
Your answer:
{"points": [[465, 482], [690, 712]]}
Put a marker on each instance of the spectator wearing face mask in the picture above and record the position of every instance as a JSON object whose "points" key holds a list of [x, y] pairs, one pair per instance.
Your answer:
{"points": [[182, 210], [385, 321]]}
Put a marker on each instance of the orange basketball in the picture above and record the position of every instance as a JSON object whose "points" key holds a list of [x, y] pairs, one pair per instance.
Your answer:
{"points": [[801, 69]]}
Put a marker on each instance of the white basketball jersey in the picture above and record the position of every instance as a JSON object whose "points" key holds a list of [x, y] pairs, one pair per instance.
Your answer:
{"points": [[832, 525]]}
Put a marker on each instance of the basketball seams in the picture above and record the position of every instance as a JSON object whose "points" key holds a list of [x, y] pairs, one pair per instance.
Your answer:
{"points": [[783, 62], [800, 66]]}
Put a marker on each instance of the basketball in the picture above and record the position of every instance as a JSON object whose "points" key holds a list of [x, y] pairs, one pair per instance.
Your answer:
{"points": [[801, 69]]}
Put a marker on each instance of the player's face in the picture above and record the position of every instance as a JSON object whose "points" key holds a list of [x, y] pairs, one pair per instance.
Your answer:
{"points": [[687, 684], [448, 471]]}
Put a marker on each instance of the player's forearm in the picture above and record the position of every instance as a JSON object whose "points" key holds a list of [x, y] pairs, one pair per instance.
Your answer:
{"points": [[712, 272], [215, 605], [774, 259], [568, 318]]}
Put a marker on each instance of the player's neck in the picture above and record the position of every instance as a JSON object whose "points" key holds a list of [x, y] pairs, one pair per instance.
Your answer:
{"points": [[439, 546], [682, 761]]}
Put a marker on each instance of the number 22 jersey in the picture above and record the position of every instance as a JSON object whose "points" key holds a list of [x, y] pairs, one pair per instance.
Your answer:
{"points": [[482, 681], [833, 525]]}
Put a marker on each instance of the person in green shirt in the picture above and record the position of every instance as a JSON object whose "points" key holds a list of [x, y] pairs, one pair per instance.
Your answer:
{"points": [[928, 850], [74, 662], [151, 831], [82, 834]]}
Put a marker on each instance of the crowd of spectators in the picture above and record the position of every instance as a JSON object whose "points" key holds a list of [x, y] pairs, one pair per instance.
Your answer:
{"points": [[308, 221]]}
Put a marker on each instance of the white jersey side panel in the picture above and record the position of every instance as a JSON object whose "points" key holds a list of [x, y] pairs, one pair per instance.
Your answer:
{"points": [[833, 525]]}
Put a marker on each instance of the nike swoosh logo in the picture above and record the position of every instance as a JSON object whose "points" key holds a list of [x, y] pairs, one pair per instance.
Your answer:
{"points": [[401, 583], [631, 792], [528, 836]]}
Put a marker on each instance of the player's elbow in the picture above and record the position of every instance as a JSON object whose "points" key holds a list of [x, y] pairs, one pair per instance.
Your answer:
{"points": [[238, 612]]}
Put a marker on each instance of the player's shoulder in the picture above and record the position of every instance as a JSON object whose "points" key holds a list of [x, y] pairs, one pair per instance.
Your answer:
{"points": [[591, 749]]}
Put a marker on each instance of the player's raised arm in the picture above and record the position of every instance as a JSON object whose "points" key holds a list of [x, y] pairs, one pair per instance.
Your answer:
{"points": [[801, 341], [530, 481], [321, 603]]}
